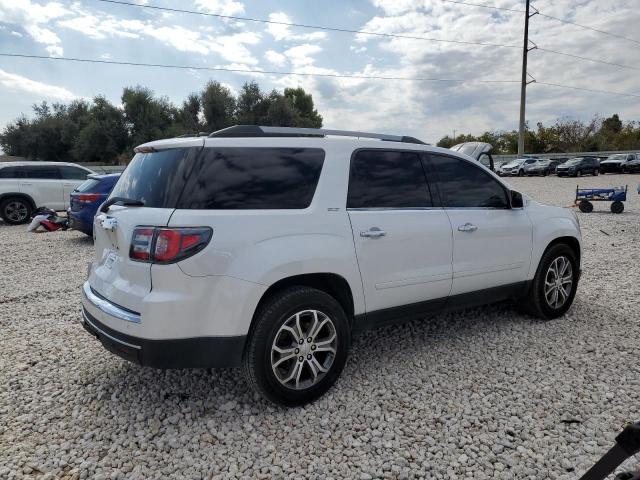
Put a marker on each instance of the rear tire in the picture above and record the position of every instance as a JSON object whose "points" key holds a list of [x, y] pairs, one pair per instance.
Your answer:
{"points": [[554, 286], [595, 172], [289, 359], [15, 210], [521, 173], [617, 207]]}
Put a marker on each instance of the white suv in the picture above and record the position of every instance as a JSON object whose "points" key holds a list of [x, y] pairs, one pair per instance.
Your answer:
{"points": [[269, 247], [25, 186]]}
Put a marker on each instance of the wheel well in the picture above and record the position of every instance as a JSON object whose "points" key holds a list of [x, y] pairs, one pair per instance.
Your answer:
{"points": [[331, 283], [4, 196], [571, 242]]}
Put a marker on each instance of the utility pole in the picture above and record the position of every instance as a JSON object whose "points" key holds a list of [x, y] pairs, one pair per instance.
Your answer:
{"points": [[454, 134], [524, 83]]}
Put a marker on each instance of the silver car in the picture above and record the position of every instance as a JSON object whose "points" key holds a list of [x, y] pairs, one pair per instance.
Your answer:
{"points": [[515, 167]]}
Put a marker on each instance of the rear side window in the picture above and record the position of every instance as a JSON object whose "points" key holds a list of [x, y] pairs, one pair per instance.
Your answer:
{"points": [[73, 173], [387, 179], [253, 178], [464, 185], [12, 172], [42, 172], [156, 178]]}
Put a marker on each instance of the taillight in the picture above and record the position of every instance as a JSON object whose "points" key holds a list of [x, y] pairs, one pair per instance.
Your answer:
{"points": [[88, 197], [168, 245], [141, 244]]}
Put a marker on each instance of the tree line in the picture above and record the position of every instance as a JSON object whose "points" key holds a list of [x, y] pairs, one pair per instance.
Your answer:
{"points": [[99, 131], [565, 135]]}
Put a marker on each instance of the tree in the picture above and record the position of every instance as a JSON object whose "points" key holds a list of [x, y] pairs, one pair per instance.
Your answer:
{"points": [[147, 118], [302, 102], [99, 131], [104, 136], [218, 106], [251, 106]]}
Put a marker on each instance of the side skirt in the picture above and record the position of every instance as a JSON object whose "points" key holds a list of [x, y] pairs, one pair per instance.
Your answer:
{"points": [[420, 310]]}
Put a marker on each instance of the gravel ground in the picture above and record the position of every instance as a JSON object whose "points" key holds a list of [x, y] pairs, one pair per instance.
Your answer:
{"points": [[487, 393]]}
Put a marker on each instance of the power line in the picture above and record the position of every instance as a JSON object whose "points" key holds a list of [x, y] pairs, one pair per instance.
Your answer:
{"points": [[556, 52], [593, 90], [302, 25], [589, 28], [240, 70], [483, 6], [330, 75]]}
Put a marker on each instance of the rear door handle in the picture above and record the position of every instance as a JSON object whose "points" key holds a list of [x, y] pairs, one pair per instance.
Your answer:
{"points": [[373, 232], [467, 227]]}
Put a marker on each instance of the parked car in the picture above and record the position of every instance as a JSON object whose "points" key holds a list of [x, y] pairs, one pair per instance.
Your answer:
{"points": [[516, 167], [577, 166], [541, 167], [633, 166], [25, 186], [617, 163], [86, 199], [269, 247]]}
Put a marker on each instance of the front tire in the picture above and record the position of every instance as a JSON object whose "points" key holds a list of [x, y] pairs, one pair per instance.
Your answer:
{"points": [[595, 172], [521, 173], [15, 210], [298, 347], [554, 286]]}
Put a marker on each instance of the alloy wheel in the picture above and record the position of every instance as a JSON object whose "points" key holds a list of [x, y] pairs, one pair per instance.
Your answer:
{"points": [[558, 282], [16, 211], [304, 349]]}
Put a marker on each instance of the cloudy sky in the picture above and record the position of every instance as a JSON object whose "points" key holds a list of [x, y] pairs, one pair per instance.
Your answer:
{"points": [[428, 110]]}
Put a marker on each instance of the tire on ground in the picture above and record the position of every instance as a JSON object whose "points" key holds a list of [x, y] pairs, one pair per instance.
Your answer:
{"points": [[10, 215], [269, 319], [535, 302]]}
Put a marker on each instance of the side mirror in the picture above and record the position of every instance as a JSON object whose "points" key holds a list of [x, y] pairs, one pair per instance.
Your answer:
{"points": [[516, 199]]}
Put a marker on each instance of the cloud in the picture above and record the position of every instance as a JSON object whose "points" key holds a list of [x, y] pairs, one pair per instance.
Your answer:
{"points": [[302, 55], [32, 17], [18, 83], [221, 7], [283, 32], [276, 58]]}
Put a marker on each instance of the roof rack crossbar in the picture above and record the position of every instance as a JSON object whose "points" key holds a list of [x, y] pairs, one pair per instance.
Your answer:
{"points": [[258, 131]]}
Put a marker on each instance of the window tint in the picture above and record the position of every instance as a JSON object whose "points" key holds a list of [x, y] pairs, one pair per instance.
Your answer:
{"points": [[88, 187], [156, 178], [46, 172], [387, 179], [12, 172], [73, 173], [253, 178], [465, 185]]}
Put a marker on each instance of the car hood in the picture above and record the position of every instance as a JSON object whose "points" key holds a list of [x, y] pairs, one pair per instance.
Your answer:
{"points": [[611, 161]]}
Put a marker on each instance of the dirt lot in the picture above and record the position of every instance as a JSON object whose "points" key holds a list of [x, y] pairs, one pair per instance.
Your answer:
{"points": [[487, 393]]}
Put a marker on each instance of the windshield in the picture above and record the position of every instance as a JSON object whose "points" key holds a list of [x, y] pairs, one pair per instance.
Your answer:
{"points": [[87, 186], [514, 163], [574, 161], [617, 156]]}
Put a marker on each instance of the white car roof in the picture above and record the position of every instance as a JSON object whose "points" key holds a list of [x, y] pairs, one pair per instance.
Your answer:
{"points": [[28, 163]]}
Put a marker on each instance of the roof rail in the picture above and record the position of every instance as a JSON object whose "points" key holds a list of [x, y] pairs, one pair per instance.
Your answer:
{"points": [[190, 135], [258, 131]]}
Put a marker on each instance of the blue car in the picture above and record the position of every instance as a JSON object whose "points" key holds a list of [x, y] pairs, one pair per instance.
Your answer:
{"points": [[86, 199]]}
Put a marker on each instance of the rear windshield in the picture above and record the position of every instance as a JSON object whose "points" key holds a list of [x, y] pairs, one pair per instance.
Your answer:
{"points": [[156, 178], [88, 186], [253, 178]]}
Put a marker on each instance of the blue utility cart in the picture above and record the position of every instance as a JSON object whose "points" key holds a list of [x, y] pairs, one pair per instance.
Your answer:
{"points": [[616, 195]]}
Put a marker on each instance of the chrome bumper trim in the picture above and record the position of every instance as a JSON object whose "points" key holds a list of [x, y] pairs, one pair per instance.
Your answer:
{"points": [[102, 332], [108, 307]]}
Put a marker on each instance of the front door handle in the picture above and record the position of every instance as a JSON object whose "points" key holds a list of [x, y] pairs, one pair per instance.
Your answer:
{"points": [[373, 232], [467, 227]]}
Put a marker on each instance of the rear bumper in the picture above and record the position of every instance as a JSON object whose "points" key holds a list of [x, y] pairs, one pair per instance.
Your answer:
{"points": [[201, 352], [77, 222]]}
